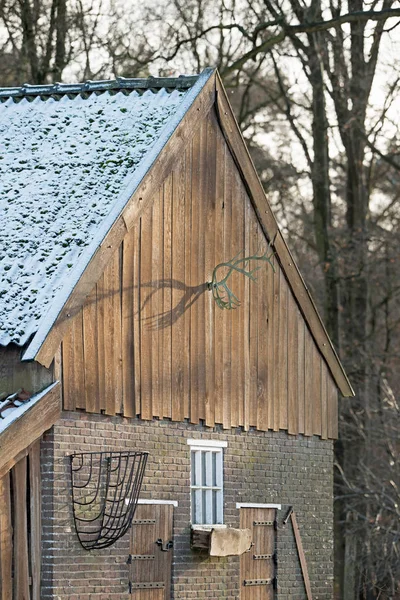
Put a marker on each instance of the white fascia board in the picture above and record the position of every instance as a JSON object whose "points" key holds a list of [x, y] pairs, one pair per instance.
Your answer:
{"points": [[208, 443], [151, 501], [255, 505], [49, 317]]}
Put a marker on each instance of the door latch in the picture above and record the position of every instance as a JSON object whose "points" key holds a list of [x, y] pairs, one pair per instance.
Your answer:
{"points": [[165, 547]]}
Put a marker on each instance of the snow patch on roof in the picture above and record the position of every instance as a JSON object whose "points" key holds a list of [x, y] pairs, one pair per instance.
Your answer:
{"points": [[63, 167], [9, 415]]}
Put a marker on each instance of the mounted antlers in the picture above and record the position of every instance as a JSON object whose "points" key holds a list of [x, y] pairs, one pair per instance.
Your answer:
{"points": [[222, 294]]}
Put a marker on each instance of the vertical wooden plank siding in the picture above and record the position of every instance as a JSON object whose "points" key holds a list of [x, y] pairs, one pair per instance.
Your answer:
{"points": [[127, 313], [219, 254], [21, 556], [178, 281], [35, 518], [146, 283], [89, 348], [163, 347], [209, 264], [293, 369], [5, 539]]}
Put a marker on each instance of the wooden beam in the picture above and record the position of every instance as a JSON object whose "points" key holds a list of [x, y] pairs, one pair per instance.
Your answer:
{"points": [[5, 539], [29, 427], [301, 554], [21, 565], [263, 210], [137, 204], [35, 538]]}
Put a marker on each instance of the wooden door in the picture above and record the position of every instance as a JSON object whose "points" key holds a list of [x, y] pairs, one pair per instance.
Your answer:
{"points": [[258, 565], [151, 552]]}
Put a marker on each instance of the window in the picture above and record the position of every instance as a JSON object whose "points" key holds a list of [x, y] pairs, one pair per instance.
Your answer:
{"points": [[207, 481]]}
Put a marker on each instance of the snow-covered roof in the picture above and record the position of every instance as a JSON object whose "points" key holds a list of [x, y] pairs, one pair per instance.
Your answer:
{"points": [[15, 405], [70, 159]]}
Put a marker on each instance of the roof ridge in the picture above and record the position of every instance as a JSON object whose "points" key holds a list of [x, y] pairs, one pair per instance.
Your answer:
{"points": [[120, 83]]}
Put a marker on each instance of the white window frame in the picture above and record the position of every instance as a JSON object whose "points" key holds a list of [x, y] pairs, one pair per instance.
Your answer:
{"points": [[202, 492]]}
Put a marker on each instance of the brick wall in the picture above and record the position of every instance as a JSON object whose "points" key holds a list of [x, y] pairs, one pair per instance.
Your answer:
{"points": [[270, 467]]}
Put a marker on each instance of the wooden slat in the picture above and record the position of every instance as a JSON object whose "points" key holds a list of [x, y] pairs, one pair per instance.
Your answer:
{"points": [[301, 370], [226, 317], [219, 333], [283, 353], [333, 416], [262, 348], [127, 327], [234, 283], [253, 325], [246, 318], [137, 316], [90, 344], [110, 337], [276, 344], [302, 557], [35, 537], [209, 201], [5, 539], [29, 427], [272, 282], [178, 290], [68, 380], [188, 298], [293, 367], [155, 288], [324, 401], [167, 299], [21, 564], [100, 357], [195, 280], [316, 391], [201, 303], [146, 315], [308, 387]]}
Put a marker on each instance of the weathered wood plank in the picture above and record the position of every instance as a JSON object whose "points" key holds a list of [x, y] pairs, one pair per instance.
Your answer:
{"points": [[201, 303], [127, 327], [188, 296], [146, 315], [137, 315], [101, 358], [178, 284], [293, 367], [308, 386], [263, 331], [90, 344], [167, 299], [6, 533], [277, 300], [283, 353], [29, 427], [333, 416], [209, 264], [35, 534], [324, 401], [21, 557], [226, 317], [253, 325], [195, 280], [316, 391], [155, 288], [301, 370], [219, 257]]}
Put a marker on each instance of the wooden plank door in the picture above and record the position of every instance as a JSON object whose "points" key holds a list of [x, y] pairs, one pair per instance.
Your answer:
{"points": [[151, 552], [258, 565]]}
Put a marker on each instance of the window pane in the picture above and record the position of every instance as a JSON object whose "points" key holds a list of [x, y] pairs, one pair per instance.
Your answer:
{"points": [[193, 469], [214, 468], [203, 468]]}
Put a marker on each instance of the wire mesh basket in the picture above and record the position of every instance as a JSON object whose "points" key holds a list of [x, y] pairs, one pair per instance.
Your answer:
{"points": [[105, 492]]}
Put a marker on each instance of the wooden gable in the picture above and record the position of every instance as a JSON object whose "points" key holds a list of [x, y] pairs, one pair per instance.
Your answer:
{"points": [[150, 340]]}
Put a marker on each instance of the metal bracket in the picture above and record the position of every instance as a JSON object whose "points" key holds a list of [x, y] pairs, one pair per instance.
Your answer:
{"points": [[150, 585], [165, 547], [251, 546], [248, 582]]}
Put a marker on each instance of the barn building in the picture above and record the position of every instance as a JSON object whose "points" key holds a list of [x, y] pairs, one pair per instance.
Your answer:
{"points": [[125, 206]]}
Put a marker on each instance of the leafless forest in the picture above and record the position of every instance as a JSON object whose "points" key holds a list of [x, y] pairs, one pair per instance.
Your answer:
{"points": [[315, 86]]}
